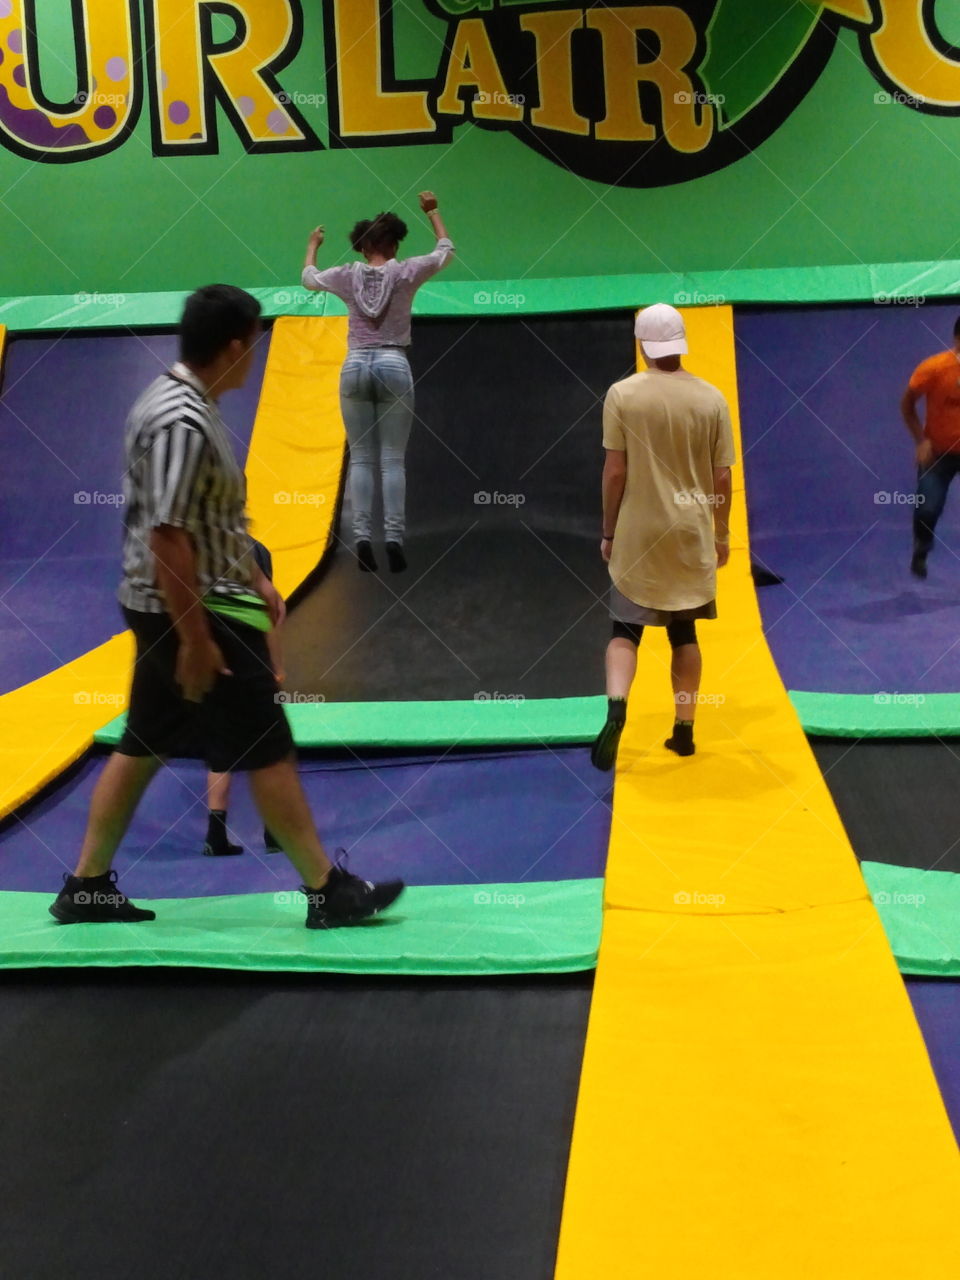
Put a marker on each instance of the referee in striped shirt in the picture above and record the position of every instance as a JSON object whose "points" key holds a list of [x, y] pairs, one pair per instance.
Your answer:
{"points": [[200, 609]]}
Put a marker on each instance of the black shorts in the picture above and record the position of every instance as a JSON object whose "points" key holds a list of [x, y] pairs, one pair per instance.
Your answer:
{"points": [[239, 725]]}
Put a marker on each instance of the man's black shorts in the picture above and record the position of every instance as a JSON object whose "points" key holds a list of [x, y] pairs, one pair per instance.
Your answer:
{"points": [[239, 725]]}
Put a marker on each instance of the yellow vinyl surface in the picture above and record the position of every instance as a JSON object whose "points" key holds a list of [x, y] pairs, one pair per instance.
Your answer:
{"points": [[756, 1099], [297, 447]]}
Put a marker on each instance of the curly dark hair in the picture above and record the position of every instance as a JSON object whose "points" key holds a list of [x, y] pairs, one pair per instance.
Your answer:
{"points": [[384, 231]]}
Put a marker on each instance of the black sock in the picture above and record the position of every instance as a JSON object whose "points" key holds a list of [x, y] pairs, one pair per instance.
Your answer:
{"points": [[395, 557], [681, 740], [617, 710], [217, 828]]}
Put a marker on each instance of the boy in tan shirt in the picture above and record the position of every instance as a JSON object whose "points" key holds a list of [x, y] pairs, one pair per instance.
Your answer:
{"points": [[666, 505]]}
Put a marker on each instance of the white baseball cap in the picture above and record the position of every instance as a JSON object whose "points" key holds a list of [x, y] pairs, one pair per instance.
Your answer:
{"points": [[660, 331]]}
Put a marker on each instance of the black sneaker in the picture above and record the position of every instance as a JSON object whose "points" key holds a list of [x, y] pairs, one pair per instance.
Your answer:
{"points": [[918, 565], [681, 740], [270, 842], [603, 753], [227, 850], [346, 899], [95, 900]]}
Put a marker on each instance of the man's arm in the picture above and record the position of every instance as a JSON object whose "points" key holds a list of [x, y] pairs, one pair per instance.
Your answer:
{"points": [[614, 483], [428, 203], [722, 488], [908, 408], [199, 659], [313, 247]]}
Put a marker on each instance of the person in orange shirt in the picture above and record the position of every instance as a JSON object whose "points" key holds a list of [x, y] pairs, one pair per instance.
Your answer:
{"points": [[937, 440]]}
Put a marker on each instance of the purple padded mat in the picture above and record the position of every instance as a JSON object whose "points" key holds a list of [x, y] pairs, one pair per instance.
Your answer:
{"points": [[453, 819], [936, 1003], [830, 475], [62, 413]]}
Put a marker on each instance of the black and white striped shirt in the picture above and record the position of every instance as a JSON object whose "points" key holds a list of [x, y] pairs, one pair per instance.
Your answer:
{"points": [[181, 471]]}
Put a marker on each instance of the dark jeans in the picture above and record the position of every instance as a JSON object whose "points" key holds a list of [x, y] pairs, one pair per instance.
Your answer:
{"points": [[932, 486]]}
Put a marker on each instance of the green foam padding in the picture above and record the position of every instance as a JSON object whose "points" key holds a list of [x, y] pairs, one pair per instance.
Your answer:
{"points": [[441, 931], [491, 722], [878, 715], [920, 911], [531, 296]]}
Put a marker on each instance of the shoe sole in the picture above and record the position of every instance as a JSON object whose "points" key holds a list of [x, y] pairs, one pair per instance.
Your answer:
{"points": [[63, 916]]}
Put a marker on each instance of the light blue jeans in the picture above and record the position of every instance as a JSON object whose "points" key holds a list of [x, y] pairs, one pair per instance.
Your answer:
{"points": [[376, 399]]}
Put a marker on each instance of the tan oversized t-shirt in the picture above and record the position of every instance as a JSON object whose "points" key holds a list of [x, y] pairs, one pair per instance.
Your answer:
{"points": [[675, 429]]}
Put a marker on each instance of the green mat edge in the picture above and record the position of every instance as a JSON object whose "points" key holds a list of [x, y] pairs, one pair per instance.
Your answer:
{"points": [[863, 715], [844, 283], [548, 721], [584, 896], [887, 878]]}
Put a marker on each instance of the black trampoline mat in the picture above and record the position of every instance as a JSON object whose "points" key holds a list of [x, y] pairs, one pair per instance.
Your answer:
{"points": [[506, 590], [171, 1125], [897, 798]]}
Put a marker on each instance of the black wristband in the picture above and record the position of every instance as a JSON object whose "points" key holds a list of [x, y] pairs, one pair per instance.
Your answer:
{"points": [[607, 537]]}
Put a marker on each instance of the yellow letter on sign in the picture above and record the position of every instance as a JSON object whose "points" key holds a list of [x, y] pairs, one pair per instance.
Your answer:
{"points": [[906, 54], [191, 69], [553, 32], [104, 108], [687, 122], [365, 108], [473, 64]]}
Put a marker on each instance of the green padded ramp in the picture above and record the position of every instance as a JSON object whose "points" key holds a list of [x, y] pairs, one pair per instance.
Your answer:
{"points": [[879, 715], [920, 911], [446, 930], [432, 724]]}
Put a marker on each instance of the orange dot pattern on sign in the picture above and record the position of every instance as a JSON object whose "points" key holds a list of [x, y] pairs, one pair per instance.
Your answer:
{"points": [[100, 110], [182, 69]]}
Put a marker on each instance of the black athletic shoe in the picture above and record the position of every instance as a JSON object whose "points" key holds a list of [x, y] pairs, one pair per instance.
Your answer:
{"points": [[395, 557], [918, 565], [366, 558], [603, 753], [270, 842], [212, 850], [346, 899], [96, 900]]}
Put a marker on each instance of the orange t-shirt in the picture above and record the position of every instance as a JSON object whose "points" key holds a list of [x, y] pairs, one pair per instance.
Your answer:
{"points": [[939, 380]]}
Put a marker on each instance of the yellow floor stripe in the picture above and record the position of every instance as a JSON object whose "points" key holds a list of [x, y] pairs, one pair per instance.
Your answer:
{"points": [[756, 1099], [296, 451]]}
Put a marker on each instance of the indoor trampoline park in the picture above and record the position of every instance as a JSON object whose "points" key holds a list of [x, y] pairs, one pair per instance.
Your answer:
{"points": [[480, 619]]}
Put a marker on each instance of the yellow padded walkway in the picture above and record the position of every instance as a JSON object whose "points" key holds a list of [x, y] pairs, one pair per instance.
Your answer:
{"points": [[297, 448], [756, 1099], [296, 452]]}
